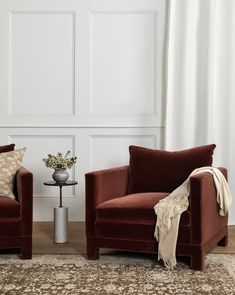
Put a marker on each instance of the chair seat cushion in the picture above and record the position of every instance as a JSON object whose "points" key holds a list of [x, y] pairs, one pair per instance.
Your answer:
{"points": [[9, 208], [134, 208]]}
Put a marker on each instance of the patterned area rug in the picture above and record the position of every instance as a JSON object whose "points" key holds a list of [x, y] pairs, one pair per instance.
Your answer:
{"points": [[113, 274]]}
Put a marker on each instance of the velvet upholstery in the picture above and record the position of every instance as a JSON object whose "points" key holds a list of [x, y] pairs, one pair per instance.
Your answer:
{"points": [[163, 171], [9, 208], [7, 148], [16, 216], [135, 208], [122, 221]]}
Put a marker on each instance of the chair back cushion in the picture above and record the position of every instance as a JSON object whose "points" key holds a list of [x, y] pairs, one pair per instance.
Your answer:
{"points": [[7, 148], [163, 171], [10, 162]]}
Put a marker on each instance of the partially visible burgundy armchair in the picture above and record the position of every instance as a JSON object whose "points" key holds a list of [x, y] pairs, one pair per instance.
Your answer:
{"points": [[120, 201], [16, 215]]}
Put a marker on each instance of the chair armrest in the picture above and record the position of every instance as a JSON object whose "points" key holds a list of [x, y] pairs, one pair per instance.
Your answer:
{"points": [[24, 187], [102, 186], [204, 209]]}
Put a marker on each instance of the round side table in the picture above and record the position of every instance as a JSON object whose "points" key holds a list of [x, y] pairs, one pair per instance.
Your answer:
{"points": [[60, 214]]}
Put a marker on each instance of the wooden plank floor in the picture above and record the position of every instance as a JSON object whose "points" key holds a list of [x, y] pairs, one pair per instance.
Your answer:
{"points": [[43, 240]]}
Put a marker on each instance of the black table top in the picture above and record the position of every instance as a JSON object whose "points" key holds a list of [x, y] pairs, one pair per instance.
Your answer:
{"points": [[66, 183]]}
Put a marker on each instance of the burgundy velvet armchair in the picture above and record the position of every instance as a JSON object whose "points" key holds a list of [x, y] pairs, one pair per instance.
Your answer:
{"points": [[16, 215], [120, 201]]}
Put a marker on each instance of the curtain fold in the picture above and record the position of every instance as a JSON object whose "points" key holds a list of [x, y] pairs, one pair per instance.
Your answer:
{"points": [[200, 90]]}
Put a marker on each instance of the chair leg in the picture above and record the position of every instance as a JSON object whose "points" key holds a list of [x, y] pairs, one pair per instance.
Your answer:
{"points": [[26, 252], [92, 251], [198, 262], [224, 241], [26, 249]]}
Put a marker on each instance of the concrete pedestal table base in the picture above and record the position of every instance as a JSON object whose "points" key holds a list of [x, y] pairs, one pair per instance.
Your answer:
{"points": [[61, 225]]}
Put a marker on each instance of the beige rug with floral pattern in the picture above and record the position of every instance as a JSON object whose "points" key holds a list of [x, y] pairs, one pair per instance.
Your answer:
{"points": [[115, 273]]}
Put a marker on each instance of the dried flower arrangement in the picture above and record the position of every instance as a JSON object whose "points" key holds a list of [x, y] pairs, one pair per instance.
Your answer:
{"points": [[60, 161]]}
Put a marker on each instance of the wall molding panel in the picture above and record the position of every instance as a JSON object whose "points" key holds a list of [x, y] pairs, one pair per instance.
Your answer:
{"points": [[85, 76], [39, 82], [123, 82]]}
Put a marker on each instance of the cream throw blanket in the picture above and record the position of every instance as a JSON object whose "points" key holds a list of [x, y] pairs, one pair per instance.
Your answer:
{"points": [[169, 209]]}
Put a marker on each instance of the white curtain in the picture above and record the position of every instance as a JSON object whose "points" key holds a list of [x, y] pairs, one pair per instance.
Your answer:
{"points": [[200, 105]]}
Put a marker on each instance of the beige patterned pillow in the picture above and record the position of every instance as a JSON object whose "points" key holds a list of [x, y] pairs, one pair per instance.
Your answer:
{"points": [[10, 162]]}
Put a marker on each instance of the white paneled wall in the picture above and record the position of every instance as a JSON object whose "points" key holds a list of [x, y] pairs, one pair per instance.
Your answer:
{"points": [[123, 64], [41, 60], [85, 76]]}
